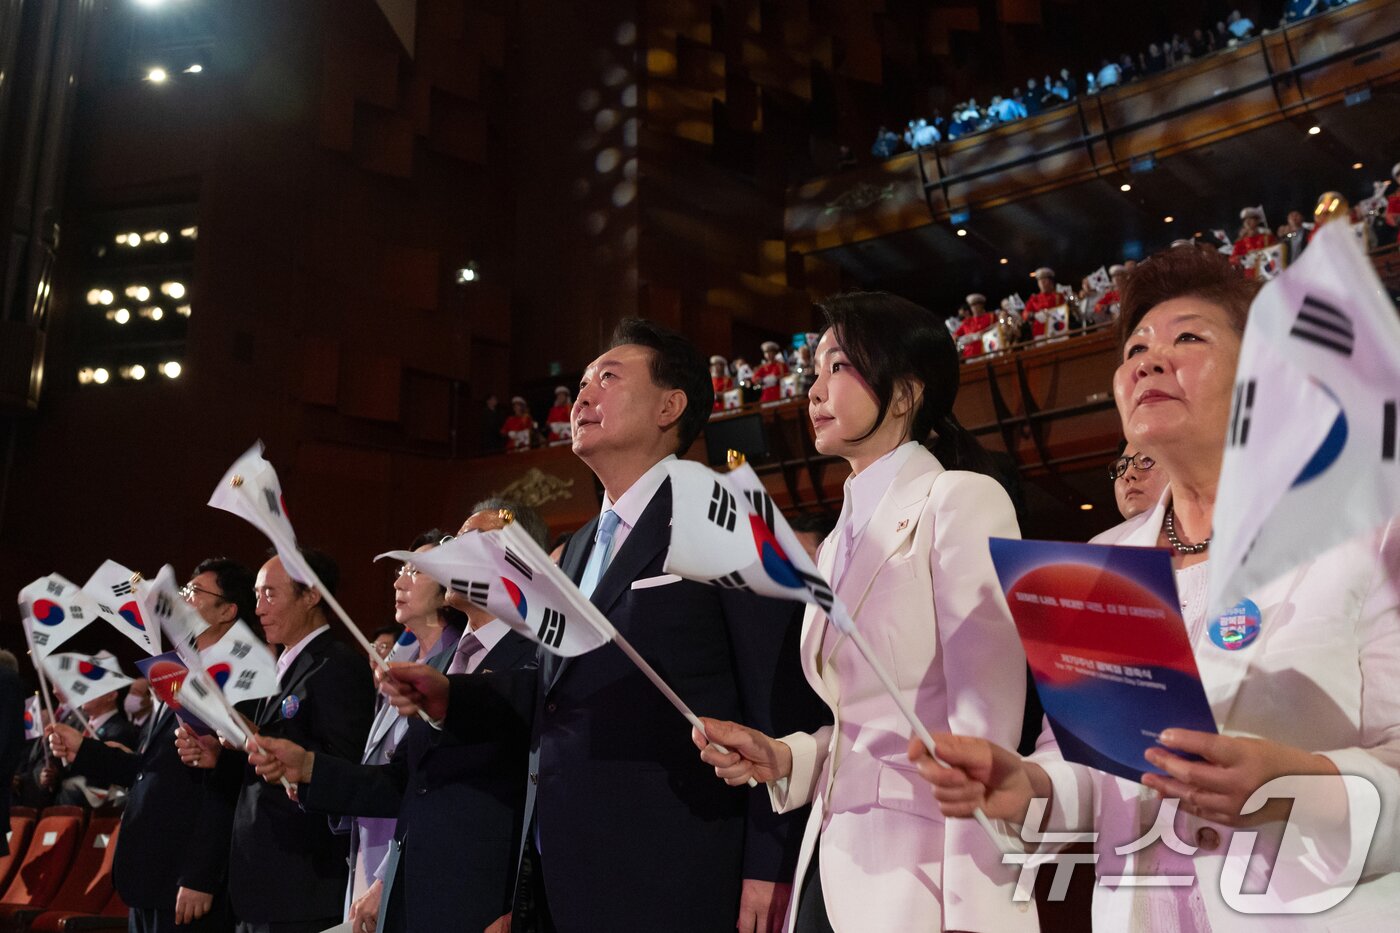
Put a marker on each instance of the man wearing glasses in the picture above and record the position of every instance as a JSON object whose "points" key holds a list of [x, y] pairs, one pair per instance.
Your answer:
{"points": [[1137, 481], [163, 882]]}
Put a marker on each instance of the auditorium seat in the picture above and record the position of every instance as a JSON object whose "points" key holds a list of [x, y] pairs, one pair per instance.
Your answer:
{"points": [[45, 861], [22, 821], [85, 891]]}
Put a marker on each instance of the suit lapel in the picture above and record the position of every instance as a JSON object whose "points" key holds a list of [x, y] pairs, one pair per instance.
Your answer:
{"points": [[893, 521], [302, 666], [573, 562], [650, 537]]}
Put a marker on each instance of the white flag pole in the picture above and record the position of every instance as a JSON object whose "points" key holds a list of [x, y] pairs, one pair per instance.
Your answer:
{"points": [[560, 579], [38, 669]]}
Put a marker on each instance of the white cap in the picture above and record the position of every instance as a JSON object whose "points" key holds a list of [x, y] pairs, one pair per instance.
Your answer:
{"points": [[718, 359], [1176, 243], [976, 299], [559, 389], [1254, 212], [1044, 272], [770, 345], [1117, 268], [518, 400], [1395, 171]]}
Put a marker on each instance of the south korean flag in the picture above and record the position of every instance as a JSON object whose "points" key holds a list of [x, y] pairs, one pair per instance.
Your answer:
{"points": [[1311, 455]]}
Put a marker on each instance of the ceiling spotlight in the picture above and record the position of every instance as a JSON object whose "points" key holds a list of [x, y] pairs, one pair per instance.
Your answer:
{"points": [[1314, 130], [171, 369], [137, 372], [156, 75], [100, 375], [1168, 219], [139, 292], [1086, 506], [1357, 165], [467, 274], [133, 239], [175, 290], [194, 69], [962, 231], [1125, 187], [157, 314], [94, 296], [183, 310], [162, 237], [1004, 260], [106, 297], [121, 315], [189, 233]]}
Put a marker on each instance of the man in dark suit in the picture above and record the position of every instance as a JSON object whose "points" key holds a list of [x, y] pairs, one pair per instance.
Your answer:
{"points": [[109, 724], [171, 861], [287, 870], [458, 806], [626, 831]]}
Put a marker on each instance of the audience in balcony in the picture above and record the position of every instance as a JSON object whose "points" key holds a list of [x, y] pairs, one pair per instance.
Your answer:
{"points": [[557, 421], [520, 428], [1240, 26], [886, 143]]}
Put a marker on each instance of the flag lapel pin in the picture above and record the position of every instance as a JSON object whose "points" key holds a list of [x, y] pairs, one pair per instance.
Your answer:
{"points": [[236, 481], [903, 524]]}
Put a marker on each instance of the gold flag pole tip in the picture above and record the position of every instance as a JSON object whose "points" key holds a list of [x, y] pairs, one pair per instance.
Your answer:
{"points": [[736, 459], [505, 515]]}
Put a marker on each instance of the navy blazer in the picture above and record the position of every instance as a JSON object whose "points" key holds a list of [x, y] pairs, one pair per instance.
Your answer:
{"points": [[176, 824], [285, 863], [459, 809], [636, 833]]}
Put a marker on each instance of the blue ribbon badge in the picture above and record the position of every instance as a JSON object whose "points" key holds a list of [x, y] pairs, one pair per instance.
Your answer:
{"points": [[1236, 628]]}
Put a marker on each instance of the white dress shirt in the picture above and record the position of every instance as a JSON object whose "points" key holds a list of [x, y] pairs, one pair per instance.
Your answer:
{"points": [[862, 494], [632, 503], [289, 654]]}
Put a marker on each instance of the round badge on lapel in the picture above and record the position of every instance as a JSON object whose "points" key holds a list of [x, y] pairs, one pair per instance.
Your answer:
{"points": [[291, 705], [1237, 627]]}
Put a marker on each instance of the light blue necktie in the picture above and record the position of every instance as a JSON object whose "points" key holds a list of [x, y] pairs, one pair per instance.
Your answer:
{"points": [[602, 551]]}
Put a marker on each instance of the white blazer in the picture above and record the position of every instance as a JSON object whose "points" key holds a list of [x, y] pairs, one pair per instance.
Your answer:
{"points": [[1323, 675], [922, 589]]}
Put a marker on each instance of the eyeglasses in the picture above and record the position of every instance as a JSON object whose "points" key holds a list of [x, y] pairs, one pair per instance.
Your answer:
{"points": [[189, 589], [407, 570], [1118, 467]]}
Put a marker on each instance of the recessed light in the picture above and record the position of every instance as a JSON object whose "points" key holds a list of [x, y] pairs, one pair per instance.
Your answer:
{"points": [[1168, 219], [1314, 130], [962, 231], [1125, 187]]}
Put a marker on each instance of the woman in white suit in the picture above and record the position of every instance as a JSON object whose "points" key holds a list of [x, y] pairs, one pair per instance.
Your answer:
{"points": [[1306, 681], [909, 560]]}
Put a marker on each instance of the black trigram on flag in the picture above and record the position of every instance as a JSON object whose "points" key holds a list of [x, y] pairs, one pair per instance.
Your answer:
{"points": [[54, 587], [722, 507], [121, 589], [76, 612], [731, 581], [1325, 325], [1388, 424], [271, 498], [241, 649], [518, 562], [1243, 410], [65, 663], [551, 631], [163, 607], [818, 588], [197, 688], [474, 591], [762, 505], [79, 687], [245, 680]]}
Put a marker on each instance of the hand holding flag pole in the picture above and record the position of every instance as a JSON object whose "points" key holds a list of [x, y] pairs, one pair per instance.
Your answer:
{"points": [[711, 544], [24, 613]]}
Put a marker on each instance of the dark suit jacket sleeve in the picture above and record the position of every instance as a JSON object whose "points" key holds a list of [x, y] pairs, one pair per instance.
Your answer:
{"points": [[342, 707], [205, 866], [491, 706], [351, 789], [777, 701], [104, 765]]}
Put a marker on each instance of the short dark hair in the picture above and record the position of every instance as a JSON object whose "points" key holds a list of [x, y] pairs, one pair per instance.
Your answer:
{"points": [[525, 516], [326, 570], [235, 584], [821, 522], [890, 340], [675, 364], [1186, 271]]}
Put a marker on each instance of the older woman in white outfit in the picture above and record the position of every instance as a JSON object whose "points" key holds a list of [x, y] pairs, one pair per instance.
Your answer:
{"points": [[1310, 686], [909, 560]]}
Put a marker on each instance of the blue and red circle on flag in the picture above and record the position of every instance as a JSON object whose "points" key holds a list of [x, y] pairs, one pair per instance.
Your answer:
{"points": [[517, 597], [132, 614], [219, 672], [770, 554], [91, 671], [48, 612]]}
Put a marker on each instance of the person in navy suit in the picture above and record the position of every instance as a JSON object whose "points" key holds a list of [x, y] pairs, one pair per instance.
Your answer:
{"points": [[459, 806], [625, 829], [163, 884]]}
